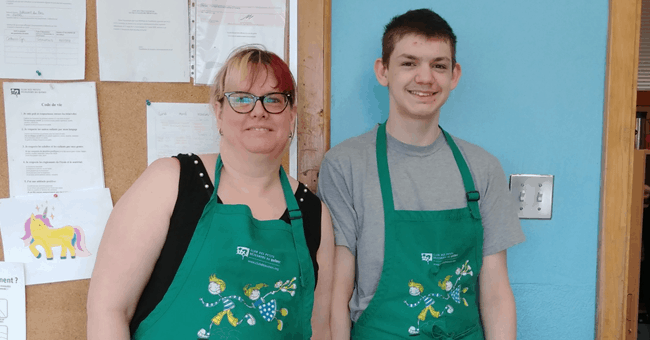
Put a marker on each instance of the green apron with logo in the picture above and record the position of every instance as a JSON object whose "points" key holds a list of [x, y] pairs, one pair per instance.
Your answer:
{"points": [[240, 278], [432, 259]]}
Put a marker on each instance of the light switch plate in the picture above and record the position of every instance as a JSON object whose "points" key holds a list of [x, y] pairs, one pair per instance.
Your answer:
{"points": [[533, 194]]}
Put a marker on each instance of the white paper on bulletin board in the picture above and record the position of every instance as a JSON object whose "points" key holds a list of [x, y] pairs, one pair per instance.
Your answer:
{"points": [[220, 26], [53, 141], [143, 41], [43, 39], [13, 315], [56, 236], [174, 128]]}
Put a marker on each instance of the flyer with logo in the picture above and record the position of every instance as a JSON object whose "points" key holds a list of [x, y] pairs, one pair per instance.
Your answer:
{"points": [[53, 142]]}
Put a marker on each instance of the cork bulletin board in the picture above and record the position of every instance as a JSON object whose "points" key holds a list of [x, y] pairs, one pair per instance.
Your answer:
{"points": [[58, 310]]}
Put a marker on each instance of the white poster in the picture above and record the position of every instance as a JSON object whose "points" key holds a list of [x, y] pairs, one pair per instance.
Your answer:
{"points": [[174, 128], [56, 236], [144, 40], [223, 25], [53, 142], [43, 39], [12, 301]]}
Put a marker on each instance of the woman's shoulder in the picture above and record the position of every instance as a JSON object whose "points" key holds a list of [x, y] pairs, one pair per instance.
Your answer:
{"points": [[162, 168]]}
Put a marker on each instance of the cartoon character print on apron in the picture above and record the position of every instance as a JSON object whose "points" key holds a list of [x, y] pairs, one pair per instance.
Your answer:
{"points": [[427, 287], [240, 278]]}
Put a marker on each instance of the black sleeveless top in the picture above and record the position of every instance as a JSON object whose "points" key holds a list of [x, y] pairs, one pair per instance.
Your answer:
{"points": [[194, 192]]}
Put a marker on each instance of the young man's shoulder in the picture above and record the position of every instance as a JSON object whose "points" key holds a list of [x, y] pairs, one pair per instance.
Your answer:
{"points": [[353, 148], [474, 154]]}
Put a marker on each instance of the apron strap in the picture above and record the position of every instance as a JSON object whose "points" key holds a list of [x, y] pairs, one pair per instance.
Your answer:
{"points": [[384, 174], [470, 192], [307, 279], [217, 176], [383, 171], [295, 218]]}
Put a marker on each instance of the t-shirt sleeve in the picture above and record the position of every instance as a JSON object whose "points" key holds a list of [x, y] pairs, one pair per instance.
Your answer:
{"points": [[501, 227], [335, 190]]}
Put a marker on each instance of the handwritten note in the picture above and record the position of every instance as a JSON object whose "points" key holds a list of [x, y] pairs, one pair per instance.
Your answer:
{"points": [[43, 39]]}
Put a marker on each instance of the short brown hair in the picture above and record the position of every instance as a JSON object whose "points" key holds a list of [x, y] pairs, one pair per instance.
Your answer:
{"points": [[248, 61], [424, 22]]}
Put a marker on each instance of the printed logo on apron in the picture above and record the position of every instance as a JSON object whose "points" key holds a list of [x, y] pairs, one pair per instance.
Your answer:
{"points": [[259, 258]]}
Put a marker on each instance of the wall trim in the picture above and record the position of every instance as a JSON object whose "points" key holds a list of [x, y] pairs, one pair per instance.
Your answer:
{"points": [[617, 167], [314, 31]]}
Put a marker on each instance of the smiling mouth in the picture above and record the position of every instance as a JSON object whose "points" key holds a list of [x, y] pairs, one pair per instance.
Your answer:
{"points": [[258, 129], [423, 94]]}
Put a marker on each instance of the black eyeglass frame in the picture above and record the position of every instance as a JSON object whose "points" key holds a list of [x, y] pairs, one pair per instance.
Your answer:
{"points": [[287, 95]]}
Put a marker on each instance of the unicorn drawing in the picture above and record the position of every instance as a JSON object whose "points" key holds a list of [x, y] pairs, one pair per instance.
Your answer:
{"points": [[40, 232]]}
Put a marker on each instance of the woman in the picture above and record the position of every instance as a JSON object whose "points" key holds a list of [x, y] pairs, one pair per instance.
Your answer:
{"points": [[196, 248]]}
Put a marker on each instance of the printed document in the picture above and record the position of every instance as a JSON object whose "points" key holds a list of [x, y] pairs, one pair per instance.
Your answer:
{"points": [[56, 236], [223, 25], [143, 41], [174, 128], [43, 39], [53, 142], [13, 316]]}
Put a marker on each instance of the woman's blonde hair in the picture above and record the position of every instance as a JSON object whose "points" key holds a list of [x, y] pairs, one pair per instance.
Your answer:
{"points": [[246, 63]]}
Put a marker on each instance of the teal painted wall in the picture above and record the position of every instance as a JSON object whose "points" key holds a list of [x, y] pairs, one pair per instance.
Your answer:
{"points": [[531, 93]]}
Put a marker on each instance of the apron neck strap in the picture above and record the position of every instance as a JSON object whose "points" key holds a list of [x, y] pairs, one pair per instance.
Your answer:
{"points": [[471, 194], [384, 173]]}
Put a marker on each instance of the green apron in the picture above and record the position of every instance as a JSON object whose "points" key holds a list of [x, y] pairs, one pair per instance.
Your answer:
{"points": [[432, 259], [240, 278]]}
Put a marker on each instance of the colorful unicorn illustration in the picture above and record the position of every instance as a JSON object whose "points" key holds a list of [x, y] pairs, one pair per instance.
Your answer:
{"points": [[40, 232]]}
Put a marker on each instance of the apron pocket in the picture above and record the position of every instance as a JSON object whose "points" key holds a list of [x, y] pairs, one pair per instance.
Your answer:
{"points": [[455, 331]]}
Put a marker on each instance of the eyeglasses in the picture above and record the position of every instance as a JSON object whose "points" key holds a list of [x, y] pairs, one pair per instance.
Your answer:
{"points": [[244, 102]]}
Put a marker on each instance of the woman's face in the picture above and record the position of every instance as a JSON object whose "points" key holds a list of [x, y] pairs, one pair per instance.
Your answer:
{"points": [[258, 131]]}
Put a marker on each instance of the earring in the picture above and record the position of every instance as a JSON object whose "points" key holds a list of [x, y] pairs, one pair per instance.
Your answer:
{"points": [[290, 135], [220, 132]]}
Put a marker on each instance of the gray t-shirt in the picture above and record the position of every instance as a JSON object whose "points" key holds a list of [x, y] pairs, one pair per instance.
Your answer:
{"points": [[423, 178]]}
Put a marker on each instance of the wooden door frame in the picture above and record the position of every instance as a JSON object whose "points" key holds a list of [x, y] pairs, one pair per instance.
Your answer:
{"points": [[617, 168], [314, 27]]}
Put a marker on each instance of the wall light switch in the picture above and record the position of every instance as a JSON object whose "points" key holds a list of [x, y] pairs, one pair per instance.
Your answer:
{"points": [[534, 194]]}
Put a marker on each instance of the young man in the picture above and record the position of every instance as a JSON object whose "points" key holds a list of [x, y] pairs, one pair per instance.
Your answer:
{"points": [[416, 212]]}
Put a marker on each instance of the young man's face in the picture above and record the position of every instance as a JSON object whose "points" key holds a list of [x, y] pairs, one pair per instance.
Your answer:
{"points": [[419, 76]]}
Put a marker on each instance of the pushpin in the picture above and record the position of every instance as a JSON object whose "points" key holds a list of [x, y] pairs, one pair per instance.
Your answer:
{"points": [[55, 195], [148, 102], [38, 72]]}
